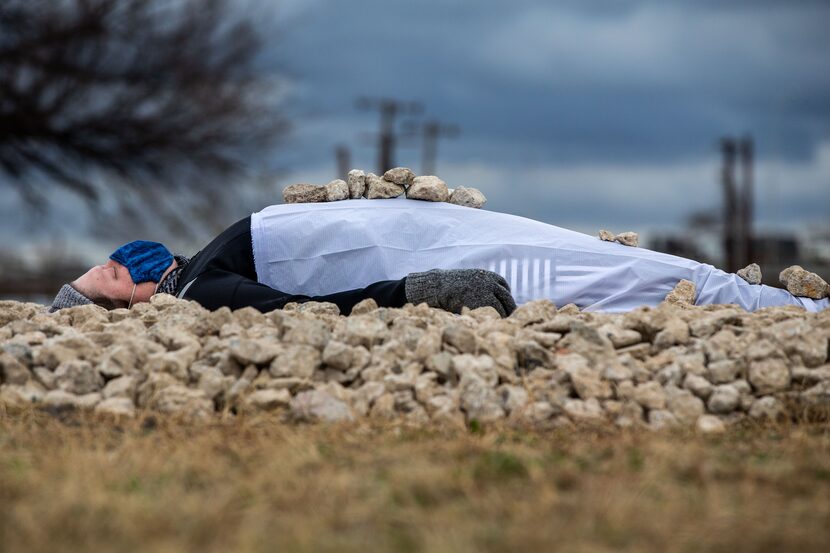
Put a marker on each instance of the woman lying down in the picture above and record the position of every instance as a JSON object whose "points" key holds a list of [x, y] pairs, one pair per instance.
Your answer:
{"points": [[400, 251]]}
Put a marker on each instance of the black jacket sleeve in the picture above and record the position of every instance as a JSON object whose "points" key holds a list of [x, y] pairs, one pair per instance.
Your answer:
{"points": [[216, 288]]}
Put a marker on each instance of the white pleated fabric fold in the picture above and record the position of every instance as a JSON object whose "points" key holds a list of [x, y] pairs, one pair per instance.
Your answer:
{"points": [[322, 248]]}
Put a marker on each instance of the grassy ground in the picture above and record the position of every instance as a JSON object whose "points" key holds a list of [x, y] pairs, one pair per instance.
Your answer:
{"points": [[79, 484]]}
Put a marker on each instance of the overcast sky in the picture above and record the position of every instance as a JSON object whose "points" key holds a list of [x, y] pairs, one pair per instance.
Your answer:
{"points": [[584, 114], [578, 113]]}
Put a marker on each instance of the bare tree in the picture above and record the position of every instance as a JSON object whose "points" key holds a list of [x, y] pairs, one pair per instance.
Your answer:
{"points": [[159, 94]]}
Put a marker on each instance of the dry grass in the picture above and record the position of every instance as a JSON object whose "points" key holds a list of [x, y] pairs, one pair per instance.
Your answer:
{"points": [[81, 484]]}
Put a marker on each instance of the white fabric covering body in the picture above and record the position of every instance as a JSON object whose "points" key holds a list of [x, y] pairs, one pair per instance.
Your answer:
{"points": [[321, 248]]}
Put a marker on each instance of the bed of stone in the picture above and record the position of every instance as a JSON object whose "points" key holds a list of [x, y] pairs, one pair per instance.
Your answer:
{"points": [[653, 367]]}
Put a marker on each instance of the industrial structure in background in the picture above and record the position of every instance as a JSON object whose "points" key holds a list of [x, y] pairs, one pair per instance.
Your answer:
{"points": [[738, 236], [344, 160], [430, 132], [388, 139], [728, 239]]}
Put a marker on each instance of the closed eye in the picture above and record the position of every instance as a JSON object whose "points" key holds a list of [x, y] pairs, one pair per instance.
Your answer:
{"points": [[115, 271]]}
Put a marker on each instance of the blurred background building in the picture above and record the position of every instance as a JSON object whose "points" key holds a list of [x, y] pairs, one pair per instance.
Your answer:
{"points": [[702, 125]]}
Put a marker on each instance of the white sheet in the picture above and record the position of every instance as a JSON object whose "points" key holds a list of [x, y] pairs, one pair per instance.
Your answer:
{"points": [[322, 248]]}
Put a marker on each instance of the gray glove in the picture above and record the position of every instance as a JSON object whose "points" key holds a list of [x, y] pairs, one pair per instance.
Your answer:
{"points": [[453, 289]]}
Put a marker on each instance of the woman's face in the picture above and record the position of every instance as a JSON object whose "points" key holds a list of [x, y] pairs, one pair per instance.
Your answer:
{"points": [[110, 285]]}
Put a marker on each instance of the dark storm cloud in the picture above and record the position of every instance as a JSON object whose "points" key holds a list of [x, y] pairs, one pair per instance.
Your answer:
{"points": [[574, 81]]}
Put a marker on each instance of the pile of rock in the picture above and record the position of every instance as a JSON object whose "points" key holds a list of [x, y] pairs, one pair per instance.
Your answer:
{"points": [[625, 238], [797, 281], [393, 183], [672, 365]]}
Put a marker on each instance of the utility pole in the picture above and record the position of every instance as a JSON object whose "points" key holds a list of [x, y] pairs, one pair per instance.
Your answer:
{"points": [[747, 153], [738, 202], [431, 131], [387, 139], [341, 152], [730, 203]]}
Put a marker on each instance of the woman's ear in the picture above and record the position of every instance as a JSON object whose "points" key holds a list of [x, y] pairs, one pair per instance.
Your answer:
{"points": [[144, 291]]}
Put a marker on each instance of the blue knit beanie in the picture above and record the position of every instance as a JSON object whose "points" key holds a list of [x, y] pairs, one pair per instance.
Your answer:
{"points": [[146, 261]]}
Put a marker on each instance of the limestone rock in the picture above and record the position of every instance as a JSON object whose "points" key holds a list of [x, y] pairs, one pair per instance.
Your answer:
{"points": [[800, 282], [650, 395], [801, 341], [767, 407], [818, 394], [538, 413], [620, 337], [378, 188], [356, 181], [78, 377], [710, 424], [296, 360], [311, 332], [45, 377], [586, 381], [253, 352], [724, 399], [513, 398], [124, 386], [182, 401], [319, 308], [803, 375], [658, 419], [698, 385], [468, 197], [584, 411], [337, 190], [769, 375], [12, 371], [428, 188], [63, 400], [338, 355], [784, 276], [304, 193], [686, 407], [606, 236], [362, 330], [402, 176], [675, 332], [535, 311], [628, 239], [364, 306], [751, 273], [116, 407], [214, 384], [317, 405], [479, 400], [480, 366], [723, 371], [21, 395], [460, 337], [683, 293], [268, 400]]}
